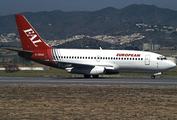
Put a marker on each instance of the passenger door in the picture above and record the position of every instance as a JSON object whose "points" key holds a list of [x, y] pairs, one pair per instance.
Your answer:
{"points": [[147, 60]]}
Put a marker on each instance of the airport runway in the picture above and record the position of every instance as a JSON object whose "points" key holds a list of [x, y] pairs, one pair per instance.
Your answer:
{"points": [[99, 81]]}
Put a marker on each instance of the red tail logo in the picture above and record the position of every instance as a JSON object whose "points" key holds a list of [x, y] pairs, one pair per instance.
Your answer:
{"points": [[31, 34]]}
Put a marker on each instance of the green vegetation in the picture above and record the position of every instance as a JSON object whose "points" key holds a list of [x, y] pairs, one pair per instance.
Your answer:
{"points": [[40, 73], [62, 73]]}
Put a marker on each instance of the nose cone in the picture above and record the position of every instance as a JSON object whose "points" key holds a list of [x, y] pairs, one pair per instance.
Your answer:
{"points": [[172, 65]]}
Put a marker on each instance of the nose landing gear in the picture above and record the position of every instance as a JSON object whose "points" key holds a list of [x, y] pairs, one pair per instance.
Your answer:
{"points": [[152, 76]]}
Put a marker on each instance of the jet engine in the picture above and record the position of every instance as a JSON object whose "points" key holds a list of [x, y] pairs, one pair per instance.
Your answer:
{"points": [[97, 70]]}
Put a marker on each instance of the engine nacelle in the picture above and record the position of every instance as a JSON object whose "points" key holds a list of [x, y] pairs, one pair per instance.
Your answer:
{"points": [[97, 70]]}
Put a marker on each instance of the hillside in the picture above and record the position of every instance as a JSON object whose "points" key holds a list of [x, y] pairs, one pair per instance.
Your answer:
{"points": [[109, 21], [86, 43]]}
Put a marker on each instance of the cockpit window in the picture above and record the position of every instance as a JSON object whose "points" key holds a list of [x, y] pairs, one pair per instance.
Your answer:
{"points": [[161, 58]]}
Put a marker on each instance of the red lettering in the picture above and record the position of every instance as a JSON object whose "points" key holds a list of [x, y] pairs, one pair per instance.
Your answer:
{"points": [[138, 55], [128, 55]]}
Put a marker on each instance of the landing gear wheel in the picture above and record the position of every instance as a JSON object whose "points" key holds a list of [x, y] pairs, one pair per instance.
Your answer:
{"points": [[153, 77], [95, 76], [86, 76]]}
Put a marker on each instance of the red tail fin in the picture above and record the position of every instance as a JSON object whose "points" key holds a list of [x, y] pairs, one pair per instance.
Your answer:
{"points": [[29, 37]]}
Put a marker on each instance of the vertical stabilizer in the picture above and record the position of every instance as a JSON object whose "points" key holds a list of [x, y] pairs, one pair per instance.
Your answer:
{"points": [[30, 39]]}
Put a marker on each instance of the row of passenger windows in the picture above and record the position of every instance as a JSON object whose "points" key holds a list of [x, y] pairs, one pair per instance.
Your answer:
{"points": [[100, 58]]}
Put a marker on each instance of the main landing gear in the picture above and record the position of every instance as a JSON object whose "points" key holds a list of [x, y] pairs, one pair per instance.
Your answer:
{"points": [[88, 76], [95, 76]]}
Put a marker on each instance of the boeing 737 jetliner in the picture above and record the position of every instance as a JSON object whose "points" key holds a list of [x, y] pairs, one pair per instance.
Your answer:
{"points": [[85, 61]]}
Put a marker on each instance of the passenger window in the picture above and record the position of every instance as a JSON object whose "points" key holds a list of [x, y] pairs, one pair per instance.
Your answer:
{"points": [[138, 58], [121, 58], [135, 58], [127, 58], [141, 58]]}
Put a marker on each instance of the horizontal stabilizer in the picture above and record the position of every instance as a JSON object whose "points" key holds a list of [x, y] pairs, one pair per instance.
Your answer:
{"points": [[18, 50]]}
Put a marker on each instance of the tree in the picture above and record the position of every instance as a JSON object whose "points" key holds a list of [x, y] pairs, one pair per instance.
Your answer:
{"points": [[11, 68]]}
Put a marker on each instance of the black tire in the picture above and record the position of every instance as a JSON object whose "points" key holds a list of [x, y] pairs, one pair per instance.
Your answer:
{"points": [[153, 77], [95, 76], [86, 76]]}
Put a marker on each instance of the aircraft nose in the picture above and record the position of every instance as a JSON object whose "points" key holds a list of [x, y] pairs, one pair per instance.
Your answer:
{"points": [[172, 65]]}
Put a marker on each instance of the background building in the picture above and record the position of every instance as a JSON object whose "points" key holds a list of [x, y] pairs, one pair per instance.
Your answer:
{"points": [[150, 46]]}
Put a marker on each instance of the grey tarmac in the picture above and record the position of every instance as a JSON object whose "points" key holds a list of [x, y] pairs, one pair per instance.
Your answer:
{"points": [[89, 81]]}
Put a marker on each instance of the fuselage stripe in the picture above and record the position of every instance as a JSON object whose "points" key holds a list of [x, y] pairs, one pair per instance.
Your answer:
{"points": [[58, 54], [53, 53]]}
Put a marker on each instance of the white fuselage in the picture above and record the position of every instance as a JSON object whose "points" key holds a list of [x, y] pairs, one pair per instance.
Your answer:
{"points": [[115, 60]]}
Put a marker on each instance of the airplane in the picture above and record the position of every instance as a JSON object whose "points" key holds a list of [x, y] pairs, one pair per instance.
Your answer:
{"points": [[89, 62]]}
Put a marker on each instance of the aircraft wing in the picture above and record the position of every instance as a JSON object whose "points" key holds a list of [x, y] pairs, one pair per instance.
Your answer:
{"points": [[80, 65]]}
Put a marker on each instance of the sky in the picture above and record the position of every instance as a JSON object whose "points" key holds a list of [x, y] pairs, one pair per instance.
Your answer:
{"points": [[18, 6]]}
